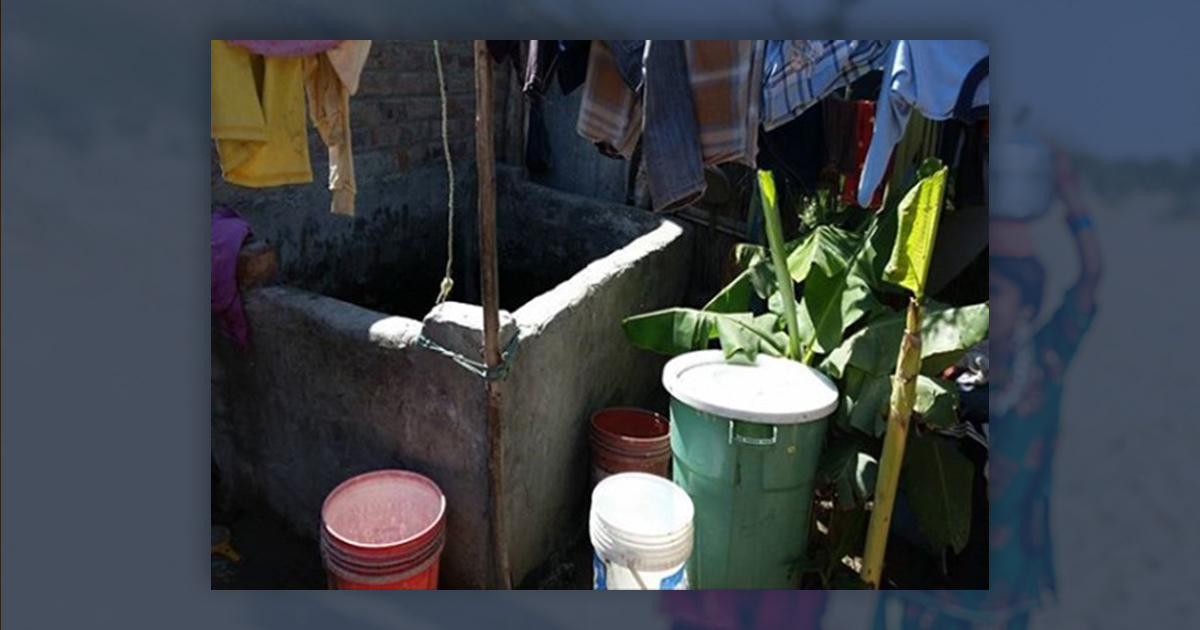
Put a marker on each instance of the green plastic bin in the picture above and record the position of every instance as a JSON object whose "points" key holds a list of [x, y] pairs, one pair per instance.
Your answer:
{"points": [[745, 440]]}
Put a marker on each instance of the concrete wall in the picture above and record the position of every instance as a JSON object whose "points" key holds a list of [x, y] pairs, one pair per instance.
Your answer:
{"points": [[330, 389], [573, 360], [577, 166]]}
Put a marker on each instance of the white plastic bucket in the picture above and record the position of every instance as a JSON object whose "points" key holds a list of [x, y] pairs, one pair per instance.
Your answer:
{"points": [[641, 531], [1024, 168]]}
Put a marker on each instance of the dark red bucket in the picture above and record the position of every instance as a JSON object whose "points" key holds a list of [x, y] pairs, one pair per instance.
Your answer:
{"points": [[626, 439], [384, 530]]}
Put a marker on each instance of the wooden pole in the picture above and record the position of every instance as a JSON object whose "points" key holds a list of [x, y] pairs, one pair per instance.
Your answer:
{"points": [[485, 159]]}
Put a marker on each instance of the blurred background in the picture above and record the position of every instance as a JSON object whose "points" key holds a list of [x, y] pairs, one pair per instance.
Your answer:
{"points": [[1114, 84]]}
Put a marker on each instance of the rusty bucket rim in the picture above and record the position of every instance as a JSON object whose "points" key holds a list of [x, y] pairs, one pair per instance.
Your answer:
{"points": [[597, 430]]}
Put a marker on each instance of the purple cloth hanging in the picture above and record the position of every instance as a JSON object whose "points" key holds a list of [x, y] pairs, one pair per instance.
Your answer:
{"points": [[286, 47], [229, 231]]}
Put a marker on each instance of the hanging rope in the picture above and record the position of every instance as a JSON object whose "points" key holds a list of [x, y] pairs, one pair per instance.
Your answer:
{"points": [[448, 279]]}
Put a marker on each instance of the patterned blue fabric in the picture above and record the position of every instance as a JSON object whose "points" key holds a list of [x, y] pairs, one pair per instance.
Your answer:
{"points": [[798, 73], [925, 74]]}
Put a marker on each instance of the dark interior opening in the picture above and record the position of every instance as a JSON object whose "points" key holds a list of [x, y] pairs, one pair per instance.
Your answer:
{"points": [[393, 260], [410, 292]]}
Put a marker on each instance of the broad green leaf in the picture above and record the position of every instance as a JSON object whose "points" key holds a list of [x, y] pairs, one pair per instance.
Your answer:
{"points": [[937, 402], [919, 213], [737, 344], [836, 294], [678, 330], [937, 481], [946, 333], [849, 391], [847, 465], [827, 247], [869, 412], [742, 339], [734, 298], [879, 250], [671, 331], [762, 280], [775, 305], [867, 406], [834, 303]]}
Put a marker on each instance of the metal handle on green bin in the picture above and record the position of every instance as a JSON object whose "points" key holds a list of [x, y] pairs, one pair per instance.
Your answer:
{"points": [[736, 438]]}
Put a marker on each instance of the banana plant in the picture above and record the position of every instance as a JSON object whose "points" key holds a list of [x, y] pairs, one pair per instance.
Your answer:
{"points": [[919, 212], [826, 298]]}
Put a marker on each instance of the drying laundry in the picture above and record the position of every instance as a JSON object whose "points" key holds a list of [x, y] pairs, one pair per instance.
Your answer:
{"points": [[540, 67], [228, 231], [348, 60], [694, 103], [572, 64], [288, 48], [610, 115], [330, 80], [927, 75], [261, 141], [798, 73], [725, 77], [671, 144], [565, 59], [630, 56]]}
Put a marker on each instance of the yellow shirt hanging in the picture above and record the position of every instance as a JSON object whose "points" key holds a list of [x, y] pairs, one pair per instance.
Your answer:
{"points": [[262, 141]]}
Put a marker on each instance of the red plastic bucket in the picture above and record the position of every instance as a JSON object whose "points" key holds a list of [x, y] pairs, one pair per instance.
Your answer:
{"points": [[625, 439], [383, 530]]}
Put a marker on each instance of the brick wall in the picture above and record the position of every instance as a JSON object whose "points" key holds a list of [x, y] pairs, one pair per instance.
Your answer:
{"points": [[396, 114], [395, 117]]}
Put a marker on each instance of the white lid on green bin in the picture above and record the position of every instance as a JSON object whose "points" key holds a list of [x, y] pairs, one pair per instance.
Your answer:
{"points": [[769, 391]]}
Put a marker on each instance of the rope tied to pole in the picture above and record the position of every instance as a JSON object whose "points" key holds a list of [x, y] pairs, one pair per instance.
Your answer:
{"points": [[478, 368], [447, 280]]}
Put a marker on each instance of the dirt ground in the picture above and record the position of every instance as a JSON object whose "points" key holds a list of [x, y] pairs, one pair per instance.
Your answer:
{"points": [[272, 556]]}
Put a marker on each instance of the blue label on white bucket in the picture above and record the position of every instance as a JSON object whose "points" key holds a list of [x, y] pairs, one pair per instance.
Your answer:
{"points": [[600, 583], [677, 581]]}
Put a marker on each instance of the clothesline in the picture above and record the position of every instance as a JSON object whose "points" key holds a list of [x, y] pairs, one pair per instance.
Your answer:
{"points": [[693, 104], [688, 104]]}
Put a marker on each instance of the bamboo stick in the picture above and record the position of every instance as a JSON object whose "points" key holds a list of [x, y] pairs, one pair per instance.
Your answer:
{"points": [[900, 406]]}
